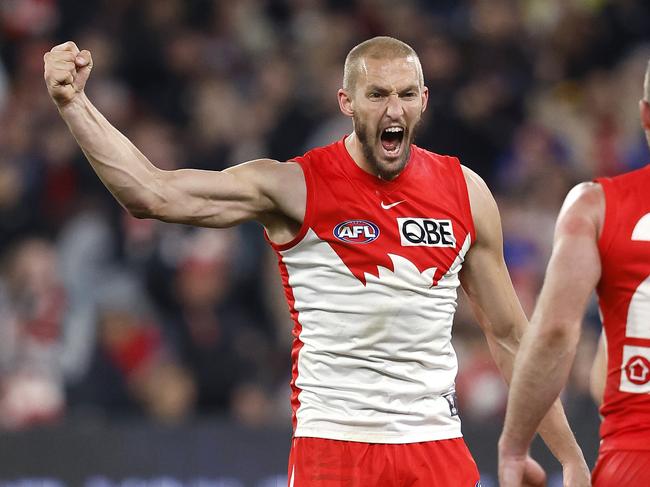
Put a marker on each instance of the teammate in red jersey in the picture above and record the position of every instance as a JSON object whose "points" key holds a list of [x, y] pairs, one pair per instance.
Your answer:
{"points": [[371, 235], [602, 242]]}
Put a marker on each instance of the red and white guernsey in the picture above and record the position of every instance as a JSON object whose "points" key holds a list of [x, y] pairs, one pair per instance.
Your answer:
{"points": [[624, 299], [371, 282]]}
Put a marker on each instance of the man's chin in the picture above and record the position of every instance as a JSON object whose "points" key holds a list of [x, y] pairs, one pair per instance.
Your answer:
{"points": [[390, 168]]}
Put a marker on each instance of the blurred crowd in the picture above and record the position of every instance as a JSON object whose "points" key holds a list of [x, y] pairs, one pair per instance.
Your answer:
{"points": [[103, 315]]}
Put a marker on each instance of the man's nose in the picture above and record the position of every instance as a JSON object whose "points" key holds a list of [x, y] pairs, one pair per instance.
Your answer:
{"points": [[394, 108]]}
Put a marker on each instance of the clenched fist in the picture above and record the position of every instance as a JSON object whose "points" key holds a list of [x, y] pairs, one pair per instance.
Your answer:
{"points": [[66, 72]]}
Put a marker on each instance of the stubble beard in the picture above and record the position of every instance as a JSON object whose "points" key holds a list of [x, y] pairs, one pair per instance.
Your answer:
{"points": [[383, 170]]}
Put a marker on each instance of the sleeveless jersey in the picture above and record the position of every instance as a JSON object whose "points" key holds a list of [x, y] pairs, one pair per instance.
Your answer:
{"points": [[624, 301], [371, 281]]}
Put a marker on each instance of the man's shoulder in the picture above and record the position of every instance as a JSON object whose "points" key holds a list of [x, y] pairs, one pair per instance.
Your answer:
{"points": [[442, 165], [583, 211], [586, 195], [321, 152], [432, 156]]}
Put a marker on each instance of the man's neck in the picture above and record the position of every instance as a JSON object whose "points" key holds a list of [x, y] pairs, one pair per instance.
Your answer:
{"points": [[353, 146]]}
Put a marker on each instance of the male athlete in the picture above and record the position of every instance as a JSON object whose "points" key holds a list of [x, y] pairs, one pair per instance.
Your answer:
{"points": [[602, 242], [371, 233]]}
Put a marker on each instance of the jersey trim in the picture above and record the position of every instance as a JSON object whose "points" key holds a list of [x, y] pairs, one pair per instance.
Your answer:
{"points": [[609, 222], [421, 435], [464, 193], [297, 344], [309, 209]]}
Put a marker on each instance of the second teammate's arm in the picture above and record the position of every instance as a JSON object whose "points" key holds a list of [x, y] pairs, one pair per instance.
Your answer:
{"points": [[549, 347], [487, 283]]}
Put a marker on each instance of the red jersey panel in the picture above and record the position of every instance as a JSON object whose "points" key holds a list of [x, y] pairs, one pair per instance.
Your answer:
{"points": [[371, 281], [624, 300]]}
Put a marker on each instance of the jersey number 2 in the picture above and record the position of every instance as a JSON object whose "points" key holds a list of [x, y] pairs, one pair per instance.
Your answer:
{"points": [[635, 368]]}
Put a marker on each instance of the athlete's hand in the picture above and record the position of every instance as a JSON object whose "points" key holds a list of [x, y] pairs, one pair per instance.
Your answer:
{"points": [[534, 475], [520, 471], [66, 72]]}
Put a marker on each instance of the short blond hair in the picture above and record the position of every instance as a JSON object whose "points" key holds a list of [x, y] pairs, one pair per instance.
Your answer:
{"points": [[381, 47]]}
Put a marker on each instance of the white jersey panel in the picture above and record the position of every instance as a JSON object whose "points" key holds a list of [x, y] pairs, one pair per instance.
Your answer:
{"points": [[376, 361]]}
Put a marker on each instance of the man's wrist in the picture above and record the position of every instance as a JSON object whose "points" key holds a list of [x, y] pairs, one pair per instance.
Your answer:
{"points": [[508, 446], [573, 456], [76, 103]]}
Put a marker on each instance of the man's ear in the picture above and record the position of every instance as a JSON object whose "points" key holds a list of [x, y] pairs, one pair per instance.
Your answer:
{"points": [[644, 110], [425, 98], [345, 102]]}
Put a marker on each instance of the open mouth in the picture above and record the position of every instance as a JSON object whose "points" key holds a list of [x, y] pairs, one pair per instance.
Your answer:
{"points": [[391, 140]]}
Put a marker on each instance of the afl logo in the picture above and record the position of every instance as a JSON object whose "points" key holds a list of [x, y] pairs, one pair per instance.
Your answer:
{"points": [[356, 231]]}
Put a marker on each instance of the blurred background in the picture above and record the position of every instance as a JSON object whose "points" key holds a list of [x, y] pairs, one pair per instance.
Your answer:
{"points": [[139, 353]]}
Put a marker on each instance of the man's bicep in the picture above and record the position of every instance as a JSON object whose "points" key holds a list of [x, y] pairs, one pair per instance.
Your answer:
{"points": [[222, 198], [487, 283], [573, 270], [485, 277], [205, 198]]}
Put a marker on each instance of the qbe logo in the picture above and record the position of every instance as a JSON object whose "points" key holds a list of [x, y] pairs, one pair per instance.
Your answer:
{"points": [[356, 231], [426, 232]]}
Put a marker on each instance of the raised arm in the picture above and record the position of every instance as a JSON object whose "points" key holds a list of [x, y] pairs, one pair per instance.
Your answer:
{"points": [[548, 348], [265, 190], [487, 283]]}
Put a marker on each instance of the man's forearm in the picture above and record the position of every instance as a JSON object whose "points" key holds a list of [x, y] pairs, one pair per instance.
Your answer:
{"points": [[542, 368], [125, 171]]}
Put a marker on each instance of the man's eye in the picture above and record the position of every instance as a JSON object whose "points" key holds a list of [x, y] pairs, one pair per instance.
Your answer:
{"points": [[374, 94], [409, 94]]}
